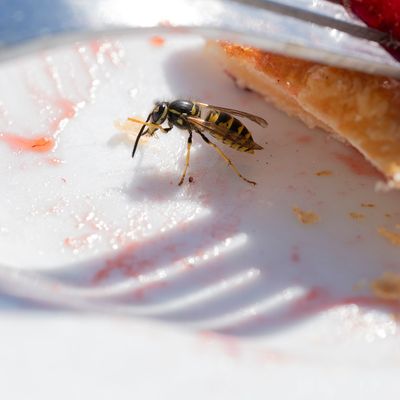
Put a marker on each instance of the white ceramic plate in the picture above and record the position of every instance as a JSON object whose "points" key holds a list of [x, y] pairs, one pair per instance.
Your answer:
{"points": [[239, 297]]}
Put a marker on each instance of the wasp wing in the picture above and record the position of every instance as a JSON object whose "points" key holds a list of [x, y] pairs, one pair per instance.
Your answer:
{"points": [[255, 118], [219, 132]]}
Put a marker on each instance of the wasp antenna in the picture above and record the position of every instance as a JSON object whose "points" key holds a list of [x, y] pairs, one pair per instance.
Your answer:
{"points": [[136, 144], [140, 132]]}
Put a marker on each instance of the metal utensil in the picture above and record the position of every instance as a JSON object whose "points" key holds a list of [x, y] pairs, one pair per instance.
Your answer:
{"points": [[317, 30]]}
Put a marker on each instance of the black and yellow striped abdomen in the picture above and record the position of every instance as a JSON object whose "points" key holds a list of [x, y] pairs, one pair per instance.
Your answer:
{"points": [[237, 135]]}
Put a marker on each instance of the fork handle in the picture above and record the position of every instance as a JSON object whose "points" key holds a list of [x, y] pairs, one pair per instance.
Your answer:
{"points": [[30, 25]]}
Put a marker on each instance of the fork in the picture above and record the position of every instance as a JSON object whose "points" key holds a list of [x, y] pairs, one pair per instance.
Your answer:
{"points": [[317, 30]]}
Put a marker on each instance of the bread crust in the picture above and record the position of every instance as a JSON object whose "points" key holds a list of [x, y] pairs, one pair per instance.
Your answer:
{"points": [[360, 108]]}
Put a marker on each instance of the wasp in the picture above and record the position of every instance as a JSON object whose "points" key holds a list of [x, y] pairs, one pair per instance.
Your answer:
{"points": [[193, 116]]}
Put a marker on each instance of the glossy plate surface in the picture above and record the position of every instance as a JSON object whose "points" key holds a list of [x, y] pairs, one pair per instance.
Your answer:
{"points": [[214, 289]]}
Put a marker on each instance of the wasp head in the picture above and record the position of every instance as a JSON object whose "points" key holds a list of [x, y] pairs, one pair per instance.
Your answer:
{"points": [[160, 112]]}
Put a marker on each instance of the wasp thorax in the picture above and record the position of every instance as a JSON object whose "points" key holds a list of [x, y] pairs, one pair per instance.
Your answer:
{"points": [[159, 113]]}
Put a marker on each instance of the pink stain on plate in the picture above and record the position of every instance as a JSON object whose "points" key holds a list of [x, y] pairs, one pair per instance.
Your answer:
{"points": [[46, 142], [144, 255], [318, 299], [64, 108], [356, 163], [295, 255], [103, 50], [54, 161], [228, 344], [19, 143], [141, 293], [304, 139], [233, 348], [141, 257], [79, 242], [125, 261]]}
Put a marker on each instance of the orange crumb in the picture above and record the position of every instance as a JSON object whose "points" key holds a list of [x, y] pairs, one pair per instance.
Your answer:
{"points": [[356, 216], [387, 215], [393, 237], [54, 161], [157, 41], [324, 172], [305, 217], [387, 287], [367, 205]]}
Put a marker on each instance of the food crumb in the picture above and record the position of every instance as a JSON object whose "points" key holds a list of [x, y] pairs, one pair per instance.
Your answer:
{"points": [[54, 161], [393, 237], [387, 287], [305, 217], [324, 172], [387, 215], [130, 130], [367, 205], [157, 41], [191, 179], [356, 216]]}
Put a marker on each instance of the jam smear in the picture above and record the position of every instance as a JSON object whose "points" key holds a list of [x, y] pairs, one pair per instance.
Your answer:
{"points": [[19, 143], [157, 41]]}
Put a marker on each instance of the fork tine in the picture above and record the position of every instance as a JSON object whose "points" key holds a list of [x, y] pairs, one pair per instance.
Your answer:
{"points": [[296, 11]]}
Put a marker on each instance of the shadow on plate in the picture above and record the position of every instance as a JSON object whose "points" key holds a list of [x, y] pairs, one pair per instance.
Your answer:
{"points": [[244, 265]]}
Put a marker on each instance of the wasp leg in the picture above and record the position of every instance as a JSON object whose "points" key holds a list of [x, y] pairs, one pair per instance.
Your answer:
{"points": [[170, 126], [225, 157], [189, 145]]}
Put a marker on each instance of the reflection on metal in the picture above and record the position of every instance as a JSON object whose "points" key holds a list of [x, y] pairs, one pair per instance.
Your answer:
{"points": [[29, 26]]}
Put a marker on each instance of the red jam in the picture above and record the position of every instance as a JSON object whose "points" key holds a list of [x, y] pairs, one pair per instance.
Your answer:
{"points": [[379, 14], [40, 144]]}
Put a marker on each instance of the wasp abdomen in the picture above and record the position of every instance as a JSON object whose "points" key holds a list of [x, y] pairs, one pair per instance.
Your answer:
{"points": [[238, 136]]}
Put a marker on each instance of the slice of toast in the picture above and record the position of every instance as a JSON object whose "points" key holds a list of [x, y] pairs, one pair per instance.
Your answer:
{"points": [[362, 109]]}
